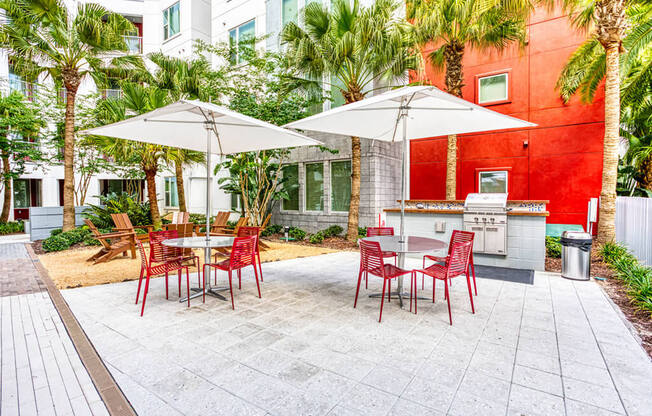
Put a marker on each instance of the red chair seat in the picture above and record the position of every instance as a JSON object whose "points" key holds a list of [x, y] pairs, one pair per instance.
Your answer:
{"points": [[391, 271], [169, 266]]}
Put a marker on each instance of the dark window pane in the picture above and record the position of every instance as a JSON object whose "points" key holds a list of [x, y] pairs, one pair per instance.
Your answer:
{"points": [[340, 185], [315, 187], [291, 184]]}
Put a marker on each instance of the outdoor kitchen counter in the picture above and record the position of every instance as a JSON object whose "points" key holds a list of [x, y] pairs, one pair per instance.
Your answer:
{"points": [[526, 228]]}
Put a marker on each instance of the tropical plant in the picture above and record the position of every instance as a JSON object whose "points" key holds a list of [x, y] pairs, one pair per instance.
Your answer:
{"points": [[11, 227], [43, 36], [356, 47], [636, 277], [136, 99], [596, 59], [139, 213], [20, 124], [453, 26]]}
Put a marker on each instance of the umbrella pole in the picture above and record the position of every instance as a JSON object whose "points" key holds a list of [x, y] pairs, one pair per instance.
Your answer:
{"points": [[403, 238], [207, 252]]}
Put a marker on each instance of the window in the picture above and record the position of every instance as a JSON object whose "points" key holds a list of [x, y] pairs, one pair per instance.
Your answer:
{"points": [[171, 196], [314, 187], [236, 203], [291, 185], [340, 185], [492, 181], [241, 39], [492, 88], [290, 12], [171, 22], [21, 193]]}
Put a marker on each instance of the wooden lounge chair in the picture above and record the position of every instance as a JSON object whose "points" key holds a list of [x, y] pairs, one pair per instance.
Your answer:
{"points": [[123, 224], [219, 224], [228, 232], [180, 217], [126, 241], [183, 230]]}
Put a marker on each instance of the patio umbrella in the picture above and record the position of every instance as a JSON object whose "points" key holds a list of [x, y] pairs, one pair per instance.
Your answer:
{"points": [[203, 127], [431, 112]]}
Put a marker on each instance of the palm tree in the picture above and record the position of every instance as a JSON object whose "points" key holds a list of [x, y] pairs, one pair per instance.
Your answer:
{"points": [[181, 78], [136, 99], [43, 36], [596, 59], [357, 46], [453, 25]]}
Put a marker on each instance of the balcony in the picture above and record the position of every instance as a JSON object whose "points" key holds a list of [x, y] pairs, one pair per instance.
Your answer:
{"points": [[134, 43], [111, 93]]}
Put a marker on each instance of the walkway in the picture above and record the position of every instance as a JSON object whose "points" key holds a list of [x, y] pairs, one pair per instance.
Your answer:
{"points": [[554, 348], [41, 371]]}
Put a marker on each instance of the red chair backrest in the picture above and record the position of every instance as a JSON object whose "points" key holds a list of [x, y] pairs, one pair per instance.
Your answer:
{"points": [[243, 251], [371, 257], [144, 265], [158, 252], [248, 231], [374, 231], [460, 236], [459, 259]]}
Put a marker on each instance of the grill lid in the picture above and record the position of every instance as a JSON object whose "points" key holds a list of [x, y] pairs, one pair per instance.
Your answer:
{"points": [[486, 200]]}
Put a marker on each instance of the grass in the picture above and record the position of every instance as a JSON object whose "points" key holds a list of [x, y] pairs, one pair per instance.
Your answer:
{"points": [[70, 269], [636, 277]]}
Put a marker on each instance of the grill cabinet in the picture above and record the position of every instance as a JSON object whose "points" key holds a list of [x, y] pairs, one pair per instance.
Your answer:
{"points": [[486, 216]]}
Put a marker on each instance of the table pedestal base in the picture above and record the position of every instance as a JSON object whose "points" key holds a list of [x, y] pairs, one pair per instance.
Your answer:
{"points": [[213, 291], [400, 296]]}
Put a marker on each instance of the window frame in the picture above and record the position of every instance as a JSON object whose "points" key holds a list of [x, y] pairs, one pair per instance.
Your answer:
{"points": [[332, 188], [166, 27], [282, 208], [237, 40], [480, 171], [508, 90], [305, 188], [166, 192]]}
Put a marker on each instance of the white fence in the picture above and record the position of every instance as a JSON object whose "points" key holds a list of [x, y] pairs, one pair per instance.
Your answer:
{"points": [[634, 226]]}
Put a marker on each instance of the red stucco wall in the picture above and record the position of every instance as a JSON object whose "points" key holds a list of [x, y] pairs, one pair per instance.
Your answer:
{"points": [[560, 160]]}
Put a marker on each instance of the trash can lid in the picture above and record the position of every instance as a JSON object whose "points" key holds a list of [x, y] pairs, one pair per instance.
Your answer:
{"points": [[576, 235]]}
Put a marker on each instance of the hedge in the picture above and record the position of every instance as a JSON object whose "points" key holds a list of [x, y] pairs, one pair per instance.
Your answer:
{"points": [[636, 277]]}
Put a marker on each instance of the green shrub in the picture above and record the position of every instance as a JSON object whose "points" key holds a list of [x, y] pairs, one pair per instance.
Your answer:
{"points": [[90, 241], [76, 235], [318, 237], [362, 232], [56, 231], [636, 277], [55, 243], [11, 227], [553, 247], [272, 229], [113, 203], [297, 233], [333, 231], [197, 219]]}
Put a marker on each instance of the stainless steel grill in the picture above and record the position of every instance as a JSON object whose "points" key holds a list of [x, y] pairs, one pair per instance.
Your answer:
{"points": [[486, 216]]}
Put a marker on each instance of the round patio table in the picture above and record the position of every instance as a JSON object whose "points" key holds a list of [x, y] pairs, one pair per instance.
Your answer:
{"points": [[207, 245], [402, 246]]}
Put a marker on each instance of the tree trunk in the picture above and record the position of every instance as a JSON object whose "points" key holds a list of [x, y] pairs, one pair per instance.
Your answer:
{"points": [[646, 173], [6, 203], [607, 221], [181, 193], [451, 168], [150, 178], [71, 82], [354, 205], [453, 53]]}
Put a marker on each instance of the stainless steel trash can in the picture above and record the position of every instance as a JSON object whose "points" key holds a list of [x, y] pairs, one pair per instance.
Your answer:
{"points": [[576, 255]]}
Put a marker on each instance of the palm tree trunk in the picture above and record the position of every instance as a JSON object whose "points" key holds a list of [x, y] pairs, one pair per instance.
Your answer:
{"points": [[150, 178], [181, 192], [607, 224], [646, 173], [453, 54], [354, 205], [6, 203], [71, 82]]}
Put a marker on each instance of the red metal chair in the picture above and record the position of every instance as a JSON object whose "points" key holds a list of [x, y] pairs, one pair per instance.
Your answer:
{"points": [[371, 262], [458, 236], [376, 231], [148, 270], [247, 232], [457, 265], [243, 254], [160, 253]]}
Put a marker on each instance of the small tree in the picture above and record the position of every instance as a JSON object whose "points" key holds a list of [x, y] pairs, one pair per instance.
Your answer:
{"points": [[20, 124]]}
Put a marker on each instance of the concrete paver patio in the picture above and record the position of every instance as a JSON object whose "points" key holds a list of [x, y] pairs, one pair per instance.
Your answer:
{"points": [[553, 348]]}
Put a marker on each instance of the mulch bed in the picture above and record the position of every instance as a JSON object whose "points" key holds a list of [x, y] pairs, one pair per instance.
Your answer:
{"points": [[617, 291], [336, 243]]}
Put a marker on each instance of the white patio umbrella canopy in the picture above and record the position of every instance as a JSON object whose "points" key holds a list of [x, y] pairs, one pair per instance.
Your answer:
{"points": [[204, 127], [425, 111]]}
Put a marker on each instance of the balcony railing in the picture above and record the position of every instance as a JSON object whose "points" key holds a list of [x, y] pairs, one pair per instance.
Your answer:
{"points": [[26, 88], [111, 93], [134, 43]]}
